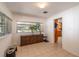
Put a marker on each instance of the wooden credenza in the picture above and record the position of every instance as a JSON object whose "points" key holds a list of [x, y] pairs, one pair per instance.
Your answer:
{"points": [[31, 39]]}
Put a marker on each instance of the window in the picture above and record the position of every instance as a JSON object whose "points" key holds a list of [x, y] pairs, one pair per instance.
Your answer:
{"points": [[5, 24], [25, 26]]}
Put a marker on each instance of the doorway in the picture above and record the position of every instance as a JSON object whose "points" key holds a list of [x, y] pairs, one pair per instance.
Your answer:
{"points": [[58, 31]]}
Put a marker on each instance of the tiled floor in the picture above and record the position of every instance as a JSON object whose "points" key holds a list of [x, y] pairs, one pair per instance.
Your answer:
{"points": [[42, 50]]}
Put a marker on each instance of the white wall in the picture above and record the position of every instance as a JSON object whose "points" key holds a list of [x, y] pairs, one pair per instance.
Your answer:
{"points": [[5, 41], [26, 18], [70, 29]]}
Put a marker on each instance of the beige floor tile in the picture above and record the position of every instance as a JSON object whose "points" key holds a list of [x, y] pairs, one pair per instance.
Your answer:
{"points": [[42, 49]]}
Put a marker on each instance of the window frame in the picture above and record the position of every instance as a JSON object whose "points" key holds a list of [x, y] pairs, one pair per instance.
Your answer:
{"points": [[31, 23], [6, 24]]}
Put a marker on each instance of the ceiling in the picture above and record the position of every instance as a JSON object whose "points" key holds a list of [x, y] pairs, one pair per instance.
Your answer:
{"points": [[31, 8]]}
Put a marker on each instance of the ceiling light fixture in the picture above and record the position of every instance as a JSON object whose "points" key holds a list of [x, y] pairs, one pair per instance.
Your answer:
{"points": [[45, 12], [42, 4]]}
